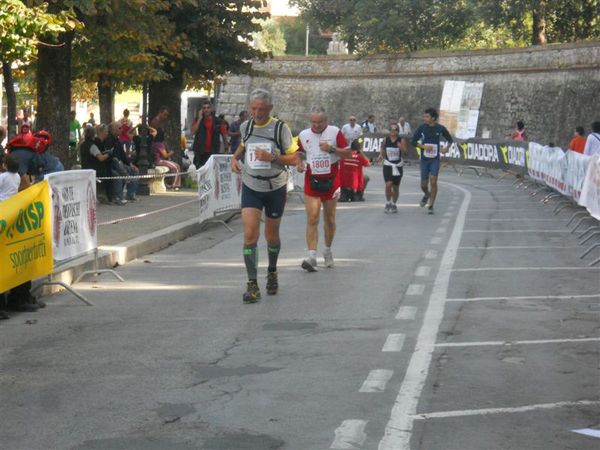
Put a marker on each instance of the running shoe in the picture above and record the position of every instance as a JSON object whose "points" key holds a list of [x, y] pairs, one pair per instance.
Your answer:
{"points": [[394, 209], [328, 256], [252, 294], [424, 200], [388, 208], [272, 283], [310, 264], [430, 210]]}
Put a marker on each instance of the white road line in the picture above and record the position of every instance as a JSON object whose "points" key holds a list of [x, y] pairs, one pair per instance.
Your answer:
{"points": [[492, 210], [406, 313], [515, 409], [517, 231], [415, 289], [350, 434], [393, 343], [505, 269], [531, 297], [399, 428], [518, 247], [509, 343], [588, 432], [447, 214], [376, 381], [440, 230], [431, 254], [436, 240], [512, 220], [445, 221], [422, 271]]}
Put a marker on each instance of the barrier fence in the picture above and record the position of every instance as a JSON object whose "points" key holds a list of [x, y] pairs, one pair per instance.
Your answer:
{"points": [[55, 221]]}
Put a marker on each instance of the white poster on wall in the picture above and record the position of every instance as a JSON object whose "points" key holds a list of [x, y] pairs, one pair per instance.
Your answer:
{"points": [[459, 107]]}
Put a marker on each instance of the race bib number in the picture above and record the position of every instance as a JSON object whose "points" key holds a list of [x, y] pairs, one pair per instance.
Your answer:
{"points": [[320, 163], [431, 151], [393, 153], [251, 160]]}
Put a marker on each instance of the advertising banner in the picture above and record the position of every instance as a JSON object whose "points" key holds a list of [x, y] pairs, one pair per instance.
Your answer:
{"points": [[577, 165], [505, 155], [219, 189], [590, 191], [73, 213], [25, 236]]}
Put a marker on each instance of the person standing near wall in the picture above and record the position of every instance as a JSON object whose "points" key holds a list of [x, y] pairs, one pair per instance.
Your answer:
{"points": [[592, 144], [577, 144], [208, 129], [404, 129], [323, 146], [351, 130], [428, 138], [266, 148], [519, 133], [235, 136]]}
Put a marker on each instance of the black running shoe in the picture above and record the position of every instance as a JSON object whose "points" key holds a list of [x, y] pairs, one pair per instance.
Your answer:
{"points": [[424, 201], [430, 210], [309, 264], [252, 294], [272, 283]]}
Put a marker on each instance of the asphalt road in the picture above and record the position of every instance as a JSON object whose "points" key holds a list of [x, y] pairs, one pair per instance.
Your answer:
{"points": [[475, 328]]}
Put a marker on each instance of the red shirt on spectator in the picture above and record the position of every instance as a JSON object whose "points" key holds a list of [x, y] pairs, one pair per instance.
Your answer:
{"points": [[351, 173], [577, 144]]}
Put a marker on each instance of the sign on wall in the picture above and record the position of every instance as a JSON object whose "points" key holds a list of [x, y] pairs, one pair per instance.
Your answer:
{"points": [[459, 107]]}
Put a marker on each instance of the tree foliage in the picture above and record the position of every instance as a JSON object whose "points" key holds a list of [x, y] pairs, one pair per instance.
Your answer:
{"points": [[373, 26]]}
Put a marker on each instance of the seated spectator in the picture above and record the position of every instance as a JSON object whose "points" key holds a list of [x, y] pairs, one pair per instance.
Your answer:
{"points": [[164, 157], [107, 143], [592, 143], [92, 158], [43, 163], [352, 180], [121, 164], [577, 144], [21, 147]]}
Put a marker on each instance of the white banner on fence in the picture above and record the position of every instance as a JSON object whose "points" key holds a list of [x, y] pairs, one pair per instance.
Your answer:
{"points": [[577, 165], [590, 191], [219, 189], [73, 213]]}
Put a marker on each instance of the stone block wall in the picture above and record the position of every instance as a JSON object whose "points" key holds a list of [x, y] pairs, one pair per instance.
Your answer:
{"points": [[551, 88]]}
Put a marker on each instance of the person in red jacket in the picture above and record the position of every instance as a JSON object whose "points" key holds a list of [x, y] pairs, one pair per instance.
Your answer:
{"points": [[352, 179]]}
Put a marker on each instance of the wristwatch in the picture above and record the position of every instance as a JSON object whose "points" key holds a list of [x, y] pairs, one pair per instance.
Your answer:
{"points": [[332, 149]]}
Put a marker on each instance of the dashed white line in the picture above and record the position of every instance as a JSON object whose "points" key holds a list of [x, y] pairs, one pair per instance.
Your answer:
{"points": [[524, 297], [516, 409], [447, 214], [436, 240], [393, 343], [350, 434], [509, 343], [406, 313], [376, 380], [519, 247], [537, 231], [398, 430], [431, 254], [415, 289], [445, 221], [422, 271], [441, 230]]}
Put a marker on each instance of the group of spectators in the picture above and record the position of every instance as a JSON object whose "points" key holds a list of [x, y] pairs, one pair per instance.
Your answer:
{"points": [[589, 145]]}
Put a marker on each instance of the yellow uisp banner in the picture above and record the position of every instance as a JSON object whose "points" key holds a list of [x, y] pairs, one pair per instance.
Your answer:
{"points": [[25, 236]]}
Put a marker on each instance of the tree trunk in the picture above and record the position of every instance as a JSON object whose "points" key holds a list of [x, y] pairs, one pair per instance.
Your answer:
{"points": [[539, 23], [11, 99], [168, 93], [54, 94], [106, 98]]}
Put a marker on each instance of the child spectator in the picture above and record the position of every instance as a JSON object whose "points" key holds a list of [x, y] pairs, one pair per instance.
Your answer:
{"points": [[577, 144]]}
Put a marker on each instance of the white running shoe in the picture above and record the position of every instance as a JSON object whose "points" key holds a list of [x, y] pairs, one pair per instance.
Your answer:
{"points": [[310, 264], [328, 256]]}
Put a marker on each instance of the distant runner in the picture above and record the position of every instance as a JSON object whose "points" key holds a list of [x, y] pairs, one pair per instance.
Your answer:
{"points": [[390, 153], [427, 138]]}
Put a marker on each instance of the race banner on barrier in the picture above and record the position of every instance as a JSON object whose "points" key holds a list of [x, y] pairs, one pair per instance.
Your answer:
{"points": [[503, 155], [219, 189], [25, 236], [590, 191], [73, 213]]}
